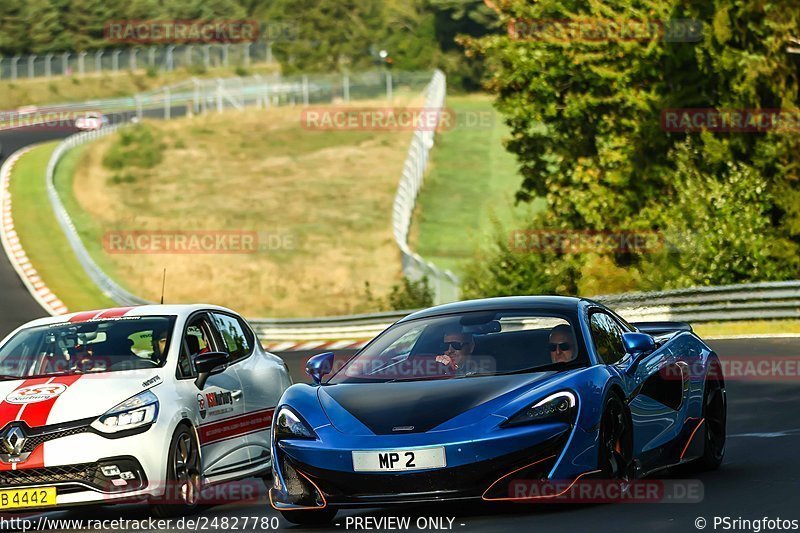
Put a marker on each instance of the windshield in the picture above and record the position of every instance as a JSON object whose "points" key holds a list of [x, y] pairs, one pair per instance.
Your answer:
{"points": [[467, 345], [107, 345]]}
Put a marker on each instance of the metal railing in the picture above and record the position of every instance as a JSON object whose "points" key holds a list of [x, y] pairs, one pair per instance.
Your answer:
{"points": [[203, 96], [445, 284], [162, 58], [751, 301]]}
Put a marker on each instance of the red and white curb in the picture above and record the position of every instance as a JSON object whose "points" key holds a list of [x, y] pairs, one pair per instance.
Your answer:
{"points": [[289, 346], [13, 248]]}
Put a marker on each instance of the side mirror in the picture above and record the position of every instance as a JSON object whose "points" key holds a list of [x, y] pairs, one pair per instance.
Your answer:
{"points": [[319, 366], [639, 345], [208, 364]]}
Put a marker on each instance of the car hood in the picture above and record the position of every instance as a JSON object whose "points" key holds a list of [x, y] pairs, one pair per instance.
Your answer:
{"points": [[45, 401], [419, 406]]}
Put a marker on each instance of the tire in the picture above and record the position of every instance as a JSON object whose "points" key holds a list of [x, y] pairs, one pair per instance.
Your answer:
{"points": [[183, 476], [615, 454], [715, 416], [310, 517]]}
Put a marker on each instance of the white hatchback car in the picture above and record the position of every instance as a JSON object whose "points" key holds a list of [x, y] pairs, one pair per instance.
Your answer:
{"points": [[91, 121], [151, 402]]}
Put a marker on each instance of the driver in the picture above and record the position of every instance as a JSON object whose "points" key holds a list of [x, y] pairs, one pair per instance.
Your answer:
{"points": [[457, 347], [562, 344], [159, 344]]}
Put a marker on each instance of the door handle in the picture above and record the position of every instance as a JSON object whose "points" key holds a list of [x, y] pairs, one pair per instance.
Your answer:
{"points": [[236, 395]]}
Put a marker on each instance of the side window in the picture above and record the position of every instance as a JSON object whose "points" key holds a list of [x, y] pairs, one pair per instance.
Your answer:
{"points": [[237, 338], [607, 337], [195, 342]]}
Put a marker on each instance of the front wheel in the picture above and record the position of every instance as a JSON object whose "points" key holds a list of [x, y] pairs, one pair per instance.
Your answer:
{"points": [[616, 441], [310, 517], [183, 476]]}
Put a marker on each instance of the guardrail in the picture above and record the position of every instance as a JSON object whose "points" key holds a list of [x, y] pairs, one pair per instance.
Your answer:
{"points": [[445, 284], [109, 287], [751, 301], [202, 96]]}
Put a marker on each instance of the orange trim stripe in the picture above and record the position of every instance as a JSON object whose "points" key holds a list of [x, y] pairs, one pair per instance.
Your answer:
{"points": [[702, 420]]}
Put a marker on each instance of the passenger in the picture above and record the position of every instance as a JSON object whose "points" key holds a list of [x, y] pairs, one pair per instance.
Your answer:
{"points": [[562, 344]]}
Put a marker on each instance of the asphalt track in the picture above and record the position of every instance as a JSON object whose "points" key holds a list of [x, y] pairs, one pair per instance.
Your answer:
{"points": [[760, 476]]}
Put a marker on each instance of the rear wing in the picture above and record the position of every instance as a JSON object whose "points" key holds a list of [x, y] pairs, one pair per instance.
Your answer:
{"points": [[661, 328]]}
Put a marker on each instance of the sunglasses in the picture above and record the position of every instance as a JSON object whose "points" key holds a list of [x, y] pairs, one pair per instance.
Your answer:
{"points": [[563, 346], [455, 345]]}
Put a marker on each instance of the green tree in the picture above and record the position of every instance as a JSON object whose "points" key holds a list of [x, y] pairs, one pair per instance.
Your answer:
{"points": [[585, 118]]}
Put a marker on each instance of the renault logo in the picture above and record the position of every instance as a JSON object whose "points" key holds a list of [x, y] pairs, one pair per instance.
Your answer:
{"points": [[13, 440]]}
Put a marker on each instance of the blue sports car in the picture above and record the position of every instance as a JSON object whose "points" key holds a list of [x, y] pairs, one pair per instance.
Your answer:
{"points": [[465, 400]]}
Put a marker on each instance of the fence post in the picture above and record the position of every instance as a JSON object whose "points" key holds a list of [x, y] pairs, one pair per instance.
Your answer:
{"points": [[14, 61], [389, 88], [225, 50], [132, 59], [65, 63], [98, 61], [31, 59], [219, 95], [207, 56], [48, 71], [346, 88], [82, 63], [168, 59], [1, 67], [115, 60], [269, 51], [151, 56], [247, 54], [305, 90]]}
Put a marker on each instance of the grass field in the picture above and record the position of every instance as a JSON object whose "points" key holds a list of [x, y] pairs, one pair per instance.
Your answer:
{"points": [[318, 197], [470, 184], [42, 238], [38, 91]]}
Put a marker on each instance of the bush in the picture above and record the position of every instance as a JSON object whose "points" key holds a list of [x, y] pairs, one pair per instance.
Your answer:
{"points": [[410, 295], [136, 146]]}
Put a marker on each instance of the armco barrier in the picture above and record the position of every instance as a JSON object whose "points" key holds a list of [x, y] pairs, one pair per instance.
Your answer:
{"points": [[445, 284], [752, 301]]}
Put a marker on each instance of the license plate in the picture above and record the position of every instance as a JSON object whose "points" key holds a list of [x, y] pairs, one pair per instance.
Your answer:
{"points": [[22, 498], [399, 460]]}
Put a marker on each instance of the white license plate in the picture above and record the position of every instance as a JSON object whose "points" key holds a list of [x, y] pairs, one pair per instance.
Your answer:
{"points": [[399, 460]]}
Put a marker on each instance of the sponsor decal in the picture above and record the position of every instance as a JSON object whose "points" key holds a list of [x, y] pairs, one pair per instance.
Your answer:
{"points": [[151, 381], [217, 399], [236, 426], [201, 405], [36, 393]]}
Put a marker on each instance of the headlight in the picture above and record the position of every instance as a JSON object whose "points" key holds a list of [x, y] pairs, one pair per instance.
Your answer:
{"points": [[289, 425], [558, 407], [140, 410]]}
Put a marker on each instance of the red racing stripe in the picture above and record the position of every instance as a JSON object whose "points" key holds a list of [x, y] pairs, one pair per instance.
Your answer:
{"points": [[36, 414], [86, 315], [10, 411], [235, 426], [114, 313]]}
